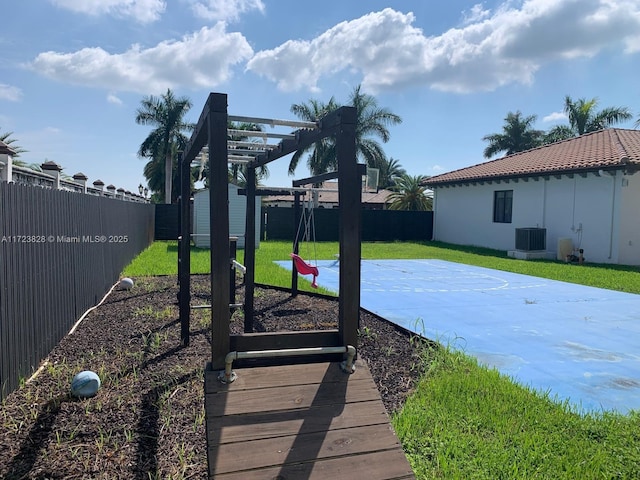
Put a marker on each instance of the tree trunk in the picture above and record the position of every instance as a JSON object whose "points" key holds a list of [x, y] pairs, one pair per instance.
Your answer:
{"points": [[168, 173]]}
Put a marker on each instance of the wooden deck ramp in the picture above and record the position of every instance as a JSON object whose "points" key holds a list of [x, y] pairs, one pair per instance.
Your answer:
{"points": [[300, 422]]}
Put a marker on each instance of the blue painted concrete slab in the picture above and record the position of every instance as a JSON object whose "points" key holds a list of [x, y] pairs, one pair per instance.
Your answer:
{"points": [[580, 343]]}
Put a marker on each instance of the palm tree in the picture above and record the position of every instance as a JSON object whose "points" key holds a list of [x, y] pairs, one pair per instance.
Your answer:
{"points": [[557, 134], [390, 173], [154, 171], [583, 117], [371, 120], [322, 155], [166, 113], [517, 135], [5, 138], [237, 172], [410, 194]]}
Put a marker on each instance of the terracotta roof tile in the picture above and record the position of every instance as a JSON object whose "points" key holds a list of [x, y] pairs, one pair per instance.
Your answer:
{"points": [[604, 149]]}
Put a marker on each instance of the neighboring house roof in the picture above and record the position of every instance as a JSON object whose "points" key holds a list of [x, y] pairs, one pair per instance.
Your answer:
{"points": [[609, 149], [328, 194]]}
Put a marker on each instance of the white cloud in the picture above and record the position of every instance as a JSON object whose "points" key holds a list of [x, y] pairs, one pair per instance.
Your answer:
{"points": [[555, 117], [228, 10], [496, 48], [143, 11], [475, 14], [9, 92], [200, 60], [113, 98]]}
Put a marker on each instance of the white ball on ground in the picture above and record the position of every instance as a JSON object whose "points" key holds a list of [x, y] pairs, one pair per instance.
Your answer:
{"points": [[85, 384], [126, 284]]}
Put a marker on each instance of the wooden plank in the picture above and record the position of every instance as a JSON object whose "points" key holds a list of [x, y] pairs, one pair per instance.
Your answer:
{"points": [[294, 396], [290, 339], [301, 422], [280, 376], [370, 466], [240, 428], [303, 447]]}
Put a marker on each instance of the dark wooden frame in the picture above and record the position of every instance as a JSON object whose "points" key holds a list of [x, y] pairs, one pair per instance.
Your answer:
{"points": [[211, 130]]}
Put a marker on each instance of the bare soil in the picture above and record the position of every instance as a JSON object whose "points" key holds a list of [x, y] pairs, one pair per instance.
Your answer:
{"points": [[147, 420]]}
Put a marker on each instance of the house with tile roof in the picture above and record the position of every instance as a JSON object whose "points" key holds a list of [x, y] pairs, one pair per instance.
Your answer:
{"points": [[578, 194]]}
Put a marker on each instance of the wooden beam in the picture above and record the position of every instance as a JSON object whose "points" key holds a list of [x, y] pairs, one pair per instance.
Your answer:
{"points": [[200, 134], [250, 249], [329, 125], [253, 134], [350, 201], [273, 122], [315, 179], [324, 177], [184, 251], [277, 340], [219, 229], [270, 192]]}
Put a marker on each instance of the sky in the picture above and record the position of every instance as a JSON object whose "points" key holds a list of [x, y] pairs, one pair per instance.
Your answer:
{"points": [[74, 72]]}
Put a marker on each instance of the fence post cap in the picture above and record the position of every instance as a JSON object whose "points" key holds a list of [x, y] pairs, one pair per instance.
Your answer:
{"points": [[51, 166], [6, 149]]}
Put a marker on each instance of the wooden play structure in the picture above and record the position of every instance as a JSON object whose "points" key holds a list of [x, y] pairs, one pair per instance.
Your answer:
{"points": [[211, 132], [297, 412]]}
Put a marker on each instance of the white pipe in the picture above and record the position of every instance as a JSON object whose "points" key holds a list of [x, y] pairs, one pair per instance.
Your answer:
{"points": [[228, 376], [272, 122], [246, 152], [240, 159], [250, 133], [251, 145], [239, 266]]}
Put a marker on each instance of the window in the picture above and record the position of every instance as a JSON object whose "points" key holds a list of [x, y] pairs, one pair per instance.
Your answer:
{"points": [[502, 202]]}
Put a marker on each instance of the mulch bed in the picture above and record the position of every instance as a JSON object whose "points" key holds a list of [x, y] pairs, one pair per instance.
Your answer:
{"points": [[147, 420]]}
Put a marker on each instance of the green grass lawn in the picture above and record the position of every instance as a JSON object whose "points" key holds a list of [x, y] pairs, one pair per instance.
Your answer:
{"points": [[161, 258], [466, 421]]}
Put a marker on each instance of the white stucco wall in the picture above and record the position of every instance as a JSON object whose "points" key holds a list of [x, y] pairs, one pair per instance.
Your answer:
{"points": [[586, 209], [629, 238]]}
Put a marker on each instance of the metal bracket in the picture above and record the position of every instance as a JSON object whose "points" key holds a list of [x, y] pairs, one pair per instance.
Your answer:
{"points": [[223, 378]]}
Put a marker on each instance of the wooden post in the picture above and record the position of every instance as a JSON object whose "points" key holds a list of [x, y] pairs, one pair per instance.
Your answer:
{"points": [[296, 246], [250, 250], [349, 194], [219, 228], [233, 251], [184, 251]]}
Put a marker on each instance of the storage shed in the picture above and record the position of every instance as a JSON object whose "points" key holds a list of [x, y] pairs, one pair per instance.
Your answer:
{"points": [[237, 217]]}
